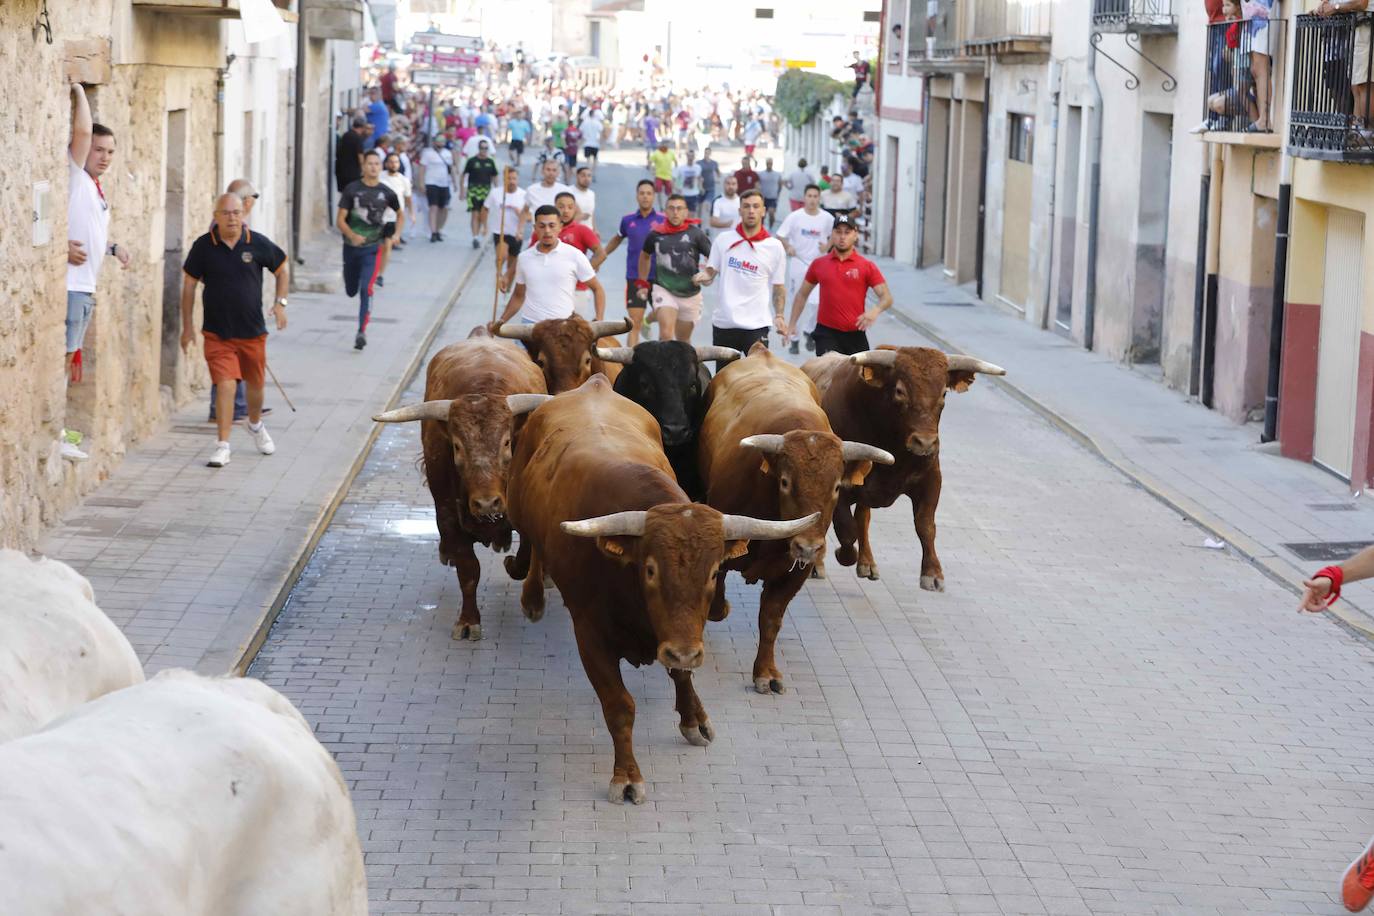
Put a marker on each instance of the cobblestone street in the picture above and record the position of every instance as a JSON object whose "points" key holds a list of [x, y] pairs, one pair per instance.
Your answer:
{"points": [[1100, 715]]}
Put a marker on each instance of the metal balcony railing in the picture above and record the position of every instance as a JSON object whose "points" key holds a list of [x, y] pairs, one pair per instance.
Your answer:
{"points": [[1330, 114], [1003, 20], [1241, 59], [1134, 16]]}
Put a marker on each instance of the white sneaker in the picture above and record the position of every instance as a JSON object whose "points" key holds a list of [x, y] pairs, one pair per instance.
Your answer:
{"points": [[260, 438], [220, 456], [72, 453], [1201, 128]]}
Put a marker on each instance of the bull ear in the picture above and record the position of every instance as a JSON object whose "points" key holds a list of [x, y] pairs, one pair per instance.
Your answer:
{"points": [[855, 472], [619, 548], [736, 549], [960, 379]]}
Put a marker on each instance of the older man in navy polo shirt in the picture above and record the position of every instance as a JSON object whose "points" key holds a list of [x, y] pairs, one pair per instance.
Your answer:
{"points": [[229, 260]]}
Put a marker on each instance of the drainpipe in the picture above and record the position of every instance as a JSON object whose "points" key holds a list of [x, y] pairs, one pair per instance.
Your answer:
{"points": [[1202, 269], [298, 136], [924, 134], [1054, 169], [1094, 195], [1271, 394], [983, 176], [1213, 262]]}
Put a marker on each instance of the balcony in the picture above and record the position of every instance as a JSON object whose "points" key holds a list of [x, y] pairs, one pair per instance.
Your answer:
{"points": [[215, 9], [1330, 116], [936, 36], [1146, 17], [1000, 27], [1244, 73]]}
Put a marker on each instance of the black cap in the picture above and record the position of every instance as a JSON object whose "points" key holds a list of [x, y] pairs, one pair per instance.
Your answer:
{"points": [[844, 219]]}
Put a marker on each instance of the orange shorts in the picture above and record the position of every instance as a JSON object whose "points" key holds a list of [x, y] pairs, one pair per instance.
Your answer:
{"points": [[236, 358]]}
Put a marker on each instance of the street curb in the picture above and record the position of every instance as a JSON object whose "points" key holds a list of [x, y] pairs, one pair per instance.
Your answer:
{"points": [[249, 649], [1256, 554]]}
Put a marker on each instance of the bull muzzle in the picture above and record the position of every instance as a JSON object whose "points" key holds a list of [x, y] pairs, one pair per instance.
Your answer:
{"points": [[487, 508], [922, 444], [684, 656], [806, 550]]}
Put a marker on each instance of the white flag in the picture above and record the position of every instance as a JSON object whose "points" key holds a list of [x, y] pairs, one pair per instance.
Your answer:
{"points": [[261, 20]]}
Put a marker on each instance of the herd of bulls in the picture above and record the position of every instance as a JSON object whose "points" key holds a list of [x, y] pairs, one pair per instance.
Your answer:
{"points": [[636, 480]]}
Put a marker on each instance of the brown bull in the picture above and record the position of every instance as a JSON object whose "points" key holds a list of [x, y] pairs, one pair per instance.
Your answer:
{"points": [[766, 450], [636, 562], [892, 398], [465, 434], [565, 348]]}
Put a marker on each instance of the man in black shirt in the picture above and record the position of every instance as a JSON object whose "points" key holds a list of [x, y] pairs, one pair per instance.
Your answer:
{"points": [[229, 260], [362, 209], [677, 245], [348, 154], [478, 174]]}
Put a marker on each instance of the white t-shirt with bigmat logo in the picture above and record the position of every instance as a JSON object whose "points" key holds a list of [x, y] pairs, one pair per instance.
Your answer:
{"points": [[745, 276], [88, 222]]}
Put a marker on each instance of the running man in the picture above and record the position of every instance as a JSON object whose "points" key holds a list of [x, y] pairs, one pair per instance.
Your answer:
{"points": [[391, 237], [770, 183], [805, 233], [844, 277], [725, 209], [663, 162], [436, 170], [751, 265], [508, 224], [546, 277], [574, 233], [584, 195], [478, 174], [687, 180], [635, 228], [361, 219], [677, 246], [520, 129], [545, 191], [593, 127]]}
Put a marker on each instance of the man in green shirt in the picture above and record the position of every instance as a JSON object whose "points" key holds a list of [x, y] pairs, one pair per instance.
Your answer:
{"points": [[679, 245]]}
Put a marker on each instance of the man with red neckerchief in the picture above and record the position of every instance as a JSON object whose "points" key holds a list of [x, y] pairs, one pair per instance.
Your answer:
{"points": [[752, 267], [677, 247], [844, 277], [1319, 592]]}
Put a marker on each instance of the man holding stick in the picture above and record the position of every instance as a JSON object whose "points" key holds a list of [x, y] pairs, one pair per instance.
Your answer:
{"points": [[514, 212]]}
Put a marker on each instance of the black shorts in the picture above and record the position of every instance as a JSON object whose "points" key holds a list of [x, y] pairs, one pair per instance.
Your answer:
{"points": [[570, 156], [388, 230], [633, 301], [517, 146], [740, 339], [590, 152], [770, 203], [437, 196], [830, 340], [512, 243]]}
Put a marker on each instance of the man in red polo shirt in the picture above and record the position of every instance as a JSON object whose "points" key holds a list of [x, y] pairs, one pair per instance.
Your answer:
{"points": [[844, 277], [579, 235]]}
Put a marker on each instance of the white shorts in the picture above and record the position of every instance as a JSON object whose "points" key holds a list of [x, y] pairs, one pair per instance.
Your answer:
{"points": [[688, 307]]}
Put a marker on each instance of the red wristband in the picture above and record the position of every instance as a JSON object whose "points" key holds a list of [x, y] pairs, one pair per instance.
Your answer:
{"points": [[1337, 576], [641, 284]]}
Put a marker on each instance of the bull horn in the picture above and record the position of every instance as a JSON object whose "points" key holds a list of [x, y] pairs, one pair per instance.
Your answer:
{"points": [[428, 410], [618, 524], [723, 354], [885, 358], [524, 403], [743, 527], [768, 443], [969, 364], [622, 355], [862, 451], [515, 331], [602, 329]]}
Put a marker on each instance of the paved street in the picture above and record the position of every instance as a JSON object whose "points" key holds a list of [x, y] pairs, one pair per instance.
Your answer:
{"points": [[1099, 716]]}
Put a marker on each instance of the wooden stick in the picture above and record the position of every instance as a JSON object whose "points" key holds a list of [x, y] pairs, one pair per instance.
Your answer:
{"points": [[496, 287]]}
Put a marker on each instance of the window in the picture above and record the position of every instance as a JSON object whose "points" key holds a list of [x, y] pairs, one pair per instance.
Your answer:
{"points": [[1021, 138], [762, 13], [873, 15]]}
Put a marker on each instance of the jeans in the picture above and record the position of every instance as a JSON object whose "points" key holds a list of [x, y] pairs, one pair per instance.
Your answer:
{"points": [[79, 308], [360, 273], [240, 401]]}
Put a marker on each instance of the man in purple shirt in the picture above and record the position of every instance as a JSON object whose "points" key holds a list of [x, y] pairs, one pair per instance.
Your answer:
{"points": [[635, 228], [651, 126]]}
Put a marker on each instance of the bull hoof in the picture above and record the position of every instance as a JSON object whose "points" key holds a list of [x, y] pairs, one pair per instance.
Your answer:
{"points": [[445, 559], [509, 563], [622, 792], [721, 615], [548, 581], [847, 555], [931, 583], [533, 614], [700, 735], [472, 631], [869, 571], [769, 685]]}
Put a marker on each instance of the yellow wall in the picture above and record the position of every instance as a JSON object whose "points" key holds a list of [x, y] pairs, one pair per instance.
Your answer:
{"points": [[1327, 184]]}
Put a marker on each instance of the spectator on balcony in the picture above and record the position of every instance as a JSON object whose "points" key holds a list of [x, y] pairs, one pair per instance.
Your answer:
{"points": [[1360, 76], [1256, 14]]}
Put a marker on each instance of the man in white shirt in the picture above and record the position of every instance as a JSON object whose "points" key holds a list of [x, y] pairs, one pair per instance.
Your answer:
{"points": [[687, 181], [546, 277], [585, 196], [852, 183], [725, 209], [593, 126], [436, 169], [751, 266], [796, 183], [507, 213], [805, 234], [545, 191], [837, 200]]}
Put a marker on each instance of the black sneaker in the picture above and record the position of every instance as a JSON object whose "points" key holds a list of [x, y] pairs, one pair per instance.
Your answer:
{"points": [[381, 281], [439, 236], [795, 348], [360, 341], [476, 244], [810, 343], [434, 236]]}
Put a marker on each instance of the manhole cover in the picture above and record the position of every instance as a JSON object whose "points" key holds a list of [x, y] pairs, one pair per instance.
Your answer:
{"points": [[1332, 507], [1158, 440], [1326, 551]]}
